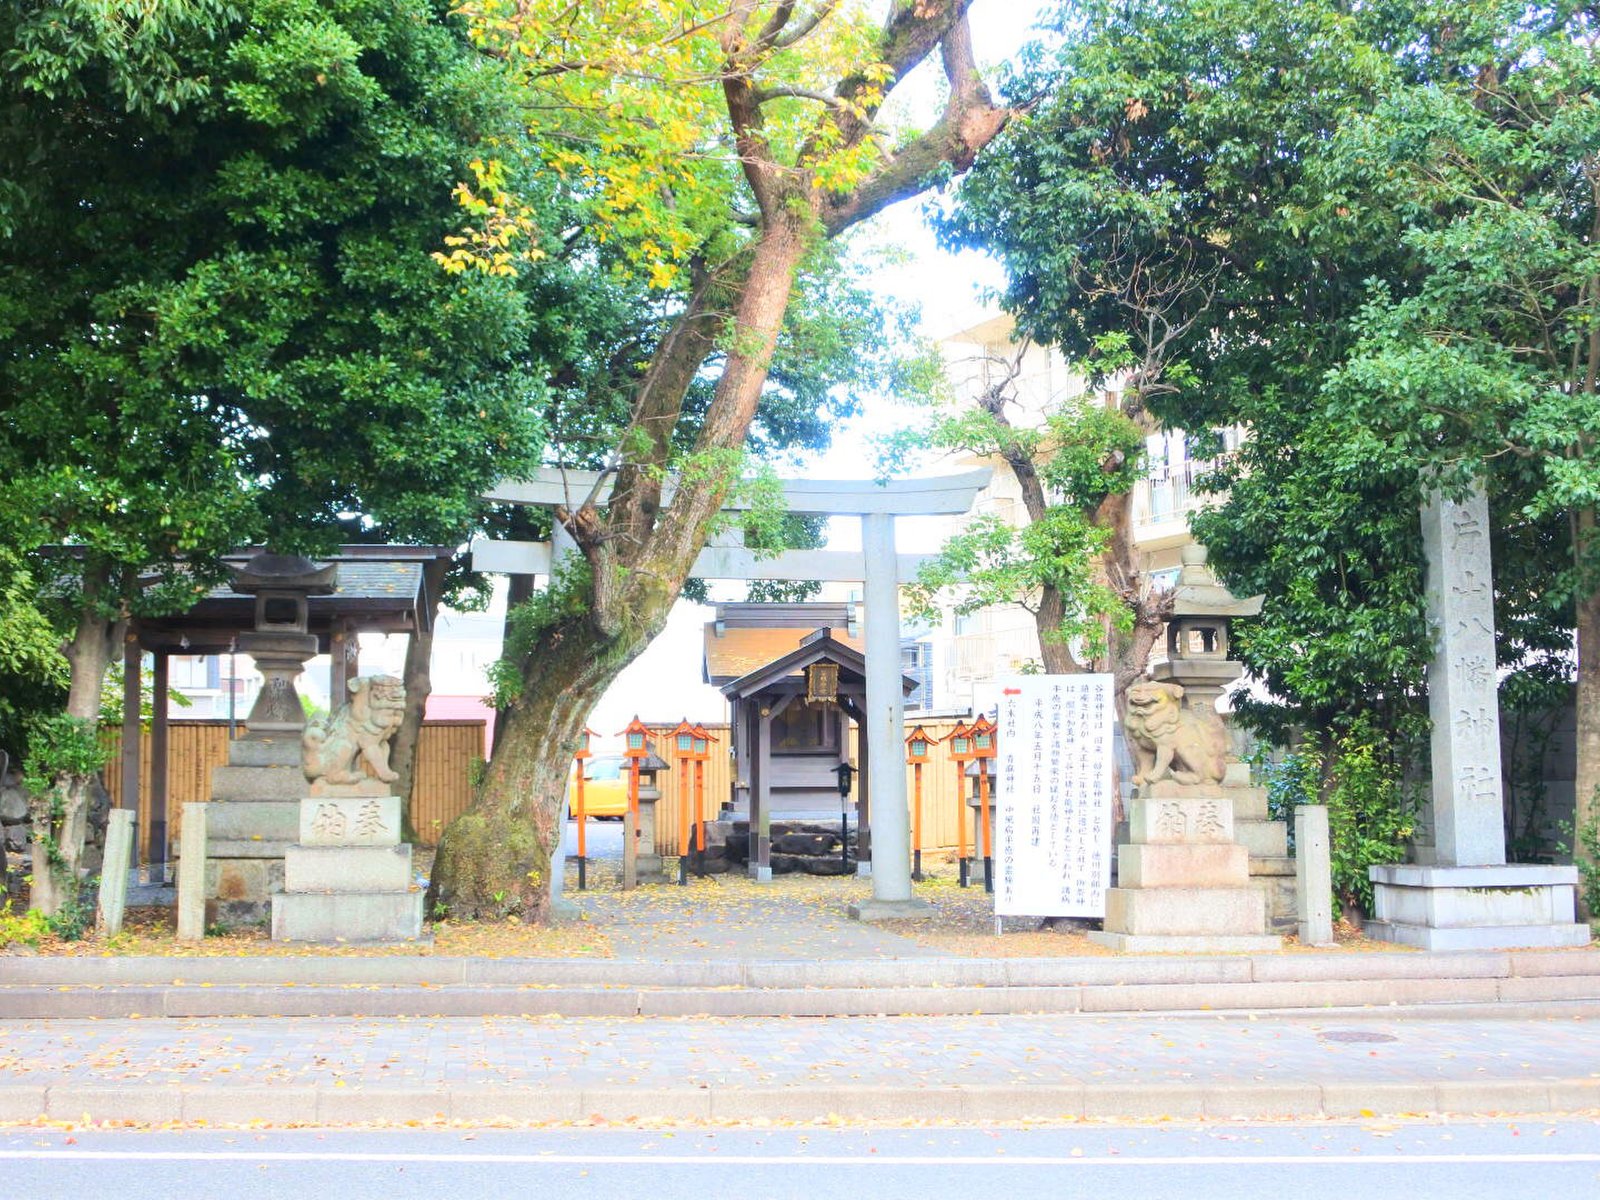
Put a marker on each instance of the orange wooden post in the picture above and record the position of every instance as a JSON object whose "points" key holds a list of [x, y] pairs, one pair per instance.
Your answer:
{"points": [[917, 748], [960, 740], [702, 751], [683, 747], [636, 748], [580, 813], [983, 750]]}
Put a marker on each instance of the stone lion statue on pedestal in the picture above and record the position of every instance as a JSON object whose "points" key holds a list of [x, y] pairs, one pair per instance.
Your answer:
{"points": [[1171, 741], [332, 750]]}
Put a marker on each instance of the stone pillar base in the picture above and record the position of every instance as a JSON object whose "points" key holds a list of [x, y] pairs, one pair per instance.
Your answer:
{"points": [[889, 910], [1214, 943], [1476, 908]]}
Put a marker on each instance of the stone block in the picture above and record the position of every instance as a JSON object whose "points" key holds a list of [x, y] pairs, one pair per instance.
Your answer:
{"points": [[1186, 911], [347, 917], [1175, 820], [253, 879], [255, 820], [350, 821], [347, 868], [1314, 874], [246, 848], [265, 750], [1209, 943], [257, 783], [1480, 937], [1161, 865], [1263, 839]]}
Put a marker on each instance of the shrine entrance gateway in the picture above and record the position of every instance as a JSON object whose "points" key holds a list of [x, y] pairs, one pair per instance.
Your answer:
{"points": [[877, 566]]}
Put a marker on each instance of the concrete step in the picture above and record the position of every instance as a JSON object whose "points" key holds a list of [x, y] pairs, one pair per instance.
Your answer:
{"points": [[1264, 839], [1560, 995], [1562, 982], [258, 783]]}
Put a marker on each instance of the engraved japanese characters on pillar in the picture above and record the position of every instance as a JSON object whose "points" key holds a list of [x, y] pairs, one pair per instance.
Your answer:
{"points": [[1462, 683]]}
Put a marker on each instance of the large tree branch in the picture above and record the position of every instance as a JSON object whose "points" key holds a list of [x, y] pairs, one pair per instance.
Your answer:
{"points": [[658, 404], [969, 122]]}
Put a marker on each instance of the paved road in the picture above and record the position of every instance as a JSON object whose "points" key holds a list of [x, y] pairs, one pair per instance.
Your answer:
{"points": [[959, 1068], [1498, 1160]]}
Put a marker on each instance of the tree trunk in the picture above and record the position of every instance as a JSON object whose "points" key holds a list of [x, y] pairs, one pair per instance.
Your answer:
{"points": [[419, 683], [1587, 777], [60, 818], [493, 860]]}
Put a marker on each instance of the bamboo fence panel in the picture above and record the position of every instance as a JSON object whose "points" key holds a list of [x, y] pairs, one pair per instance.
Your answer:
{"points": [[677, 785], [447, 754], [446, 751]]}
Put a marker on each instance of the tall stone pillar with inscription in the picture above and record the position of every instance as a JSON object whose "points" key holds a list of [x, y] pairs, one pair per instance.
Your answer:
{"points": [[255, 797], [348, 877], [1468, 898]]}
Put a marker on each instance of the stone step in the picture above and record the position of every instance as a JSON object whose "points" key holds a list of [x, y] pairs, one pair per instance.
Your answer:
{"points": [[263, 750], [347, 868], [246, 847], [253, 820], [1264, 839], [1191, 912], [1217, 865], [1270, 866], [347, 916], [258, 783], [1547, 997]]}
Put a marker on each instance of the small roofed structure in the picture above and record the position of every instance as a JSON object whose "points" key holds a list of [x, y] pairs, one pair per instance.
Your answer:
{"points": [[791, 732], [360, 588]]}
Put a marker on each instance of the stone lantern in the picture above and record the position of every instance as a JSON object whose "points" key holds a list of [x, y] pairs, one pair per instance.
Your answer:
{"points": [[281, 642], [1197, 632]]}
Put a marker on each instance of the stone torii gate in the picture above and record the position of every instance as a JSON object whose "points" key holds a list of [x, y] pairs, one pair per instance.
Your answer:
{"points": [[877, 565]]}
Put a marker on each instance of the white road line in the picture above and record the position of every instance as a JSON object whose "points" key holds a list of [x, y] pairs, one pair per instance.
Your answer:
{"points": [[795, 1160]]}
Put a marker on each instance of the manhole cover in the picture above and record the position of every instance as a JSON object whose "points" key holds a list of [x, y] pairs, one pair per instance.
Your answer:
{"points": [[1356, 1035]]}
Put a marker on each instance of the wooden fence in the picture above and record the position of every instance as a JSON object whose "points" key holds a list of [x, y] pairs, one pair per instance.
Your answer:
{"points": [[939, 794], [446, 751]]}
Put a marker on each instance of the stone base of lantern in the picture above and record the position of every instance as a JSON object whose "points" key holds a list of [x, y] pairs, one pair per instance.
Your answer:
{"points": [[1476, 908], [1183, 878], [348, 877]]}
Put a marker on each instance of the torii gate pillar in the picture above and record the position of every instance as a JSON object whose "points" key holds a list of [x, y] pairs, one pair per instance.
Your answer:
{"points": [[885, 729]]}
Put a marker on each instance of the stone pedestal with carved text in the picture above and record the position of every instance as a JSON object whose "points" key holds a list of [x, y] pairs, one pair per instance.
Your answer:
{"points": [[348, 877], [1183, 880], [1469, 897]]}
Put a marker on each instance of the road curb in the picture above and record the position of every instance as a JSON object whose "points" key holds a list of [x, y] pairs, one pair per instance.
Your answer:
{"points": [[1070, 1101]]}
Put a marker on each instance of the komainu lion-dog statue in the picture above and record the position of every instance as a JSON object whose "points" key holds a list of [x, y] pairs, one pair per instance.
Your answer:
{"points": [[1171, 741], [332, 750]]}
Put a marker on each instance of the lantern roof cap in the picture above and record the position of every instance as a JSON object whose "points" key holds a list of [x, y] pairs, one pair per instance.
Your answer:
{"points": [[1198, 593], [284, 572]]}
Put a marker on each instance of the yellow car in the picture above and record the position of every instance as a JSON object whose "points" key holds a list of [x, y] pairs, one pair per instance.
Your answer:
{"points": [[605, 787]]}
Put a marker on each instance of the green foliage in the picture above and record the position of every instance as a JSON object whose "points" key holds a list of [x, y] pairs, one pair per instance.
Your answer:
{"points": [[219, 321], [33, 671], [1371, 811], [1336, 231], [1588, 863], [63, 753], [566, 599], [27, 928], [993, 562]]}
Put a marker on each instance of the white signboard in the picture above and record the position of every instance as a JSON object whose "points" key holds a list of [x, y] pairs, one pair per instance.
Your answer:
{"points": [[1053, 796]]}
